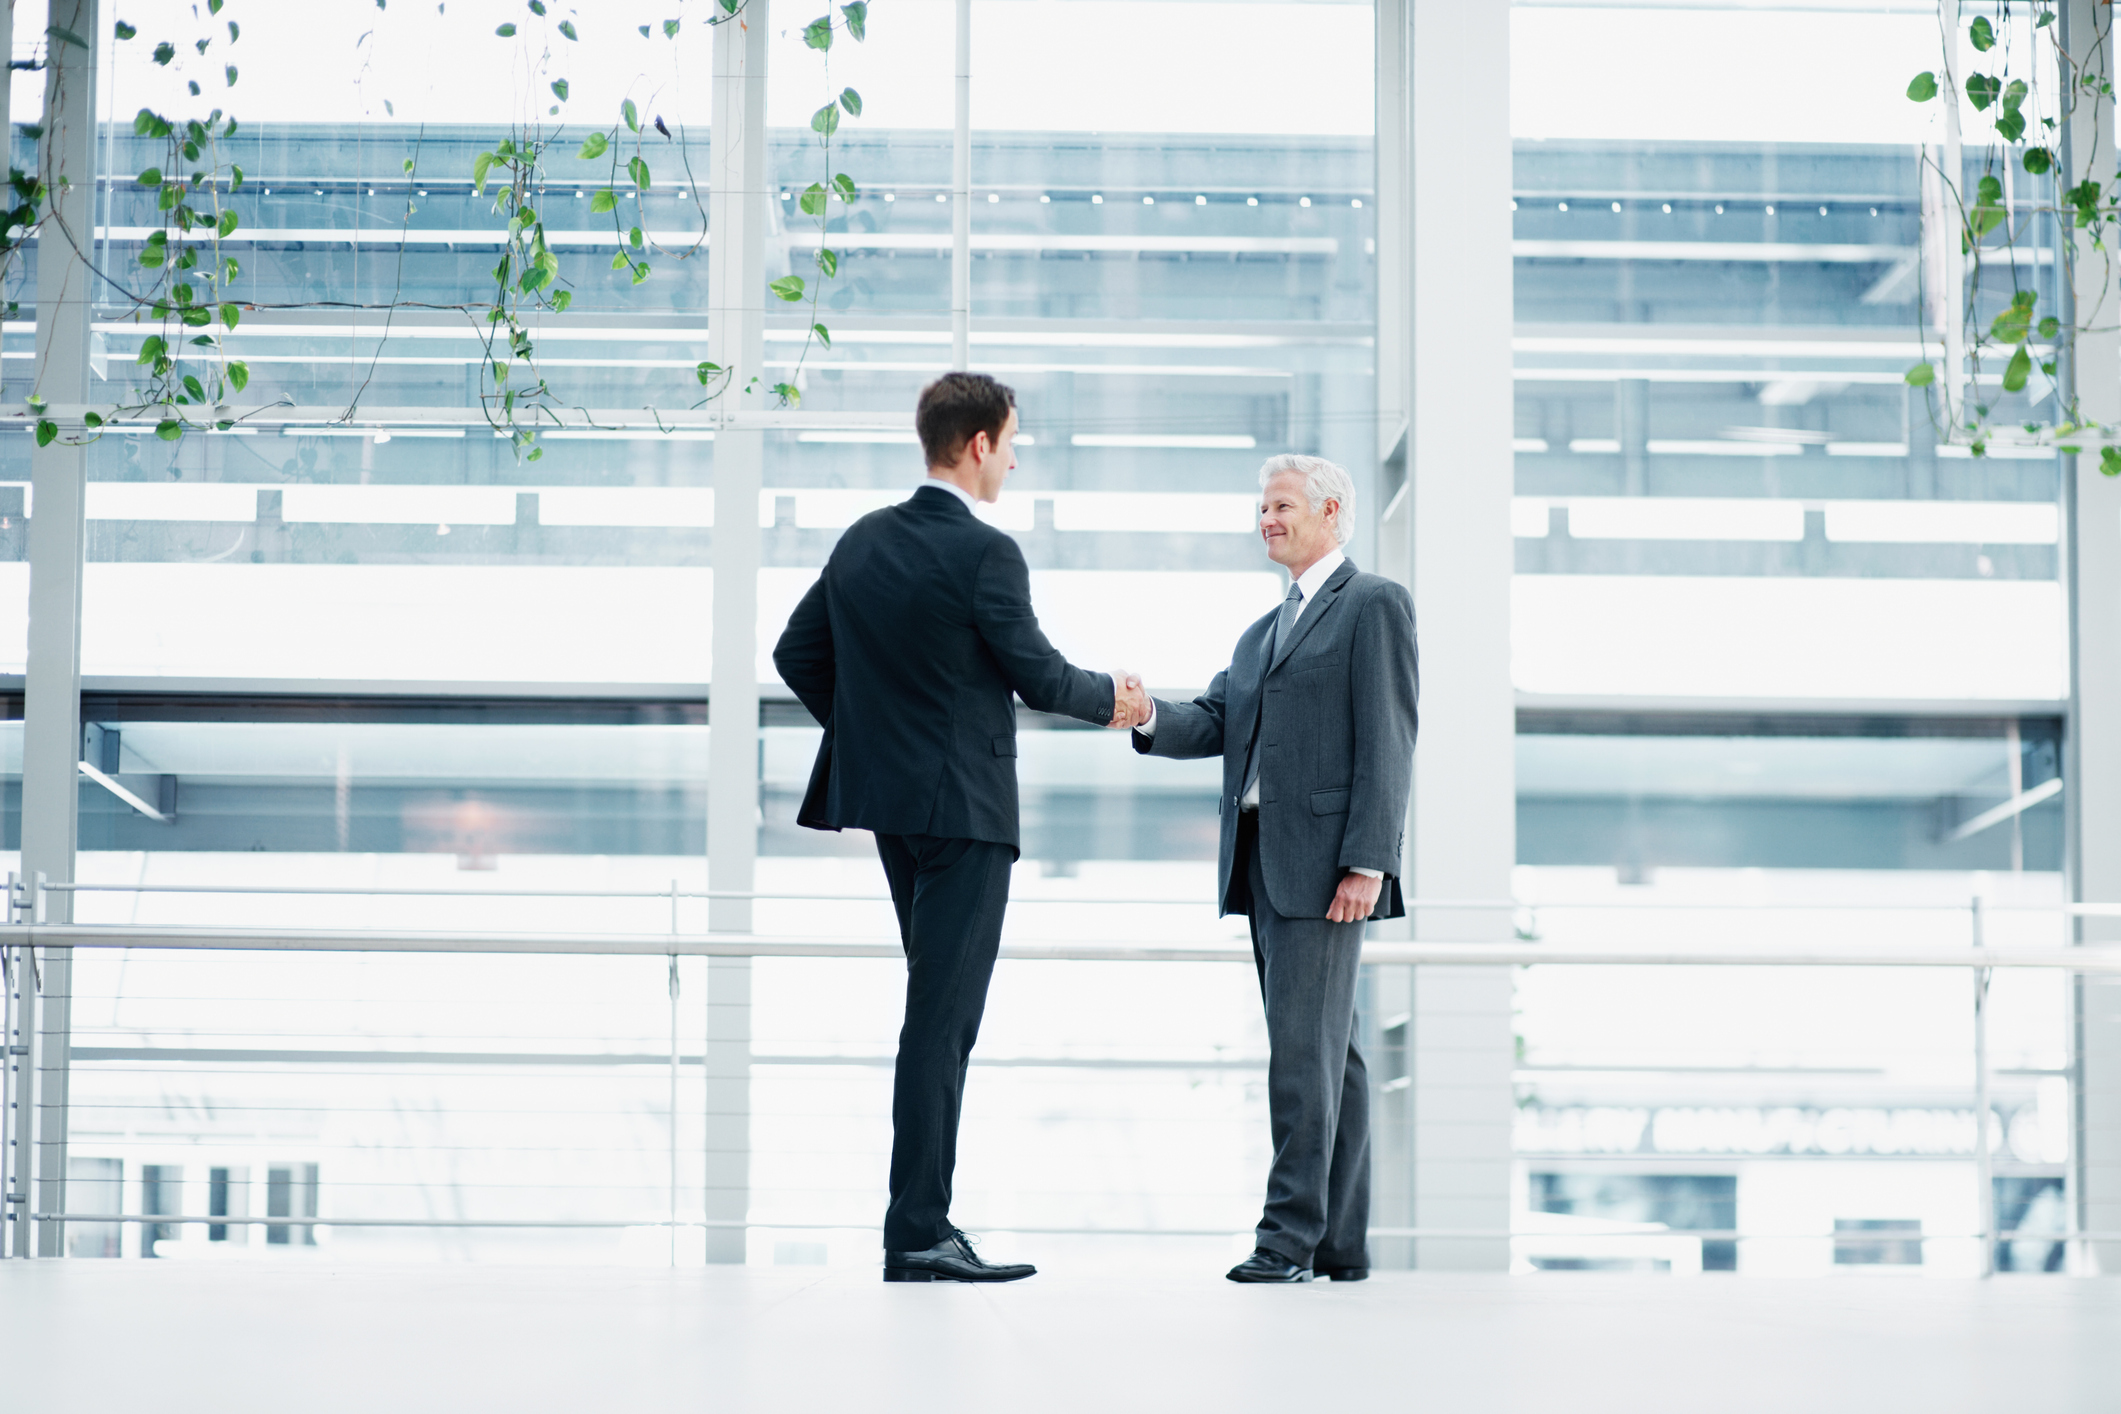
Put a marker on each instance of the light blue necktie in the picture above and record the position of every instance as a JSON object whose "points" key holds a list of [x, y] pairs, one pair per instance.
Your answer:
{"points": [[1290, 607]]}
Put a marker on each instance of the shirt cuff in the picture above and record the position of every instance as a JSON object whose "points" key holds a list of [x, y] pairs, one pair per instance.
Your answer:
{"points": [[1366, 873], [1148, 728]]}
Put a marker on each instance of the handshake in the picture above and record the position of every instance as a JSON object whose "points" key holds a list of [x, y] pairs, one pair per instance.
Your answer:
{"points": [[1130, 701]]}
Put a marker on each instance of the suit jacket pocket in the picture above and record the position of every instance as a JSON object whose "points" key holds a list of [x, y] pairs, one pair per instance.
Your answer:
{"points": [[1329, 802], [1006, 746], [1301, 664]]}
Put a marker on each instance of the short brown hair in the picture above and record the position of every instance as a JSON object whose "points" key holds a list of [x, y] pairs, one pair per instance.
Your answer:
{"points": [[955, 407]]}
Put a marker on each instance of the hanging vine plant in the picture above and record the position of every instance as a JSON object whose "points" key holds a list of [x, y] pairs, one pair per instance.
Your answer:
{"points": [[185, 283], [2026, 89]]}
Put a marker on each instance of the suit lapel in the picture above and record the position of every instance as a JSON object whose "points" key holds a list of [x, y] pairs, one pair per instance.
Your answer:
{"points": [[1328, 595]]}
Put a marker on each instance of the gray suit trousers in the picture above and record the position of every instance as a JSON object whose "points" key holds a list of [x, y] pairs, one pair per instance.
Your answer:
{"points": [[1318, 1090]]}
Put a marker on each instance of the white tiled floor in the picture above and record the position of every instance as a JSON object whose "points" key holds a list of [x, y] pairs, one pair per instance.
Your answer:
{"points": [[179, 1337]]}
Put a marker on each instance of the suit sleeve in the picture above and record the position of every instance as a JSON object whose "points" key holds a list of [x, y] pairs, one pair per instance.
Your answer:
{"points": [[1188, 729], [803, 657], [1030, 664], [1385, 674]]}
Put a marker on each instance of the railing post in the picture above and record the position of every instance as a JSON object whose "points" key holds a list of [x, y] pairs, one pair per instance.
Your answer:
{"points": [[1984, 1160]]}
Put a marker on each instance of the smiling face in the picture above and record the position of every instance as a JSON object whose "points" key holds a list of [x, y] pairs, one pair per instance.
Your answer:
{"points": [[1296, 536]]}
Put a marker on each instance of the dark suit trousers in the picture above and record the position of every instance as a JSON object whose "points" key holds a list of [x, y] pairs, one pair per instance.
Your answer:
{"points": [[1318, 1090], [950, 896]]}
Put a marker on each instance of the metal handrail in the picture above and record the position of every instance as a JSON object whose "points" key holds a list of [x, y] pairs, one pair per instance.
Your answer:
{"points": [[2094, 959], [2071, 910], [27, 939]]}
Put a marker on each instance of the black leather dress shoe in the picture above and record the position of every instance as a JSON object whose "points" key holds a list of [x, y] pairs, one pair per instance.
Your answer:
{"points": [[952, 1259], [1265, 1266], [1345, 1273]]}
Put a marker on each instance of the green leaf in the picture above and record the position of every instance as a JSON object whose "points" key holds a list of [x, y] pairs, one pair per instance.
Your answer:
{"points": [[152, 177], [705, 371], [638, 170], [561, 299], [46, 431], [1921, 375], [153, 348], [824, 335], [231, 316], [2014, 96], [567, 28], [643, 29], [2110, 460], [812, 201], [125, 31], [670, 29], [537, 7], [197, 317], [593, 147], [621, 261], [229, 73], [66, 36], [818, 33], [826, 120], [144, 122], [857, 17], [631, 115], [2038, 161], [559, 89], [91, 420], [506, 31], [2049, 327], [169, 429], [235, 31], [634, 238], [602, 201], [480, 166], [789, 394], [1988, 191], [844, 185], [164, 52], [829, 262], [1923, 87], [213, 7], [191, 386], [788, 287], [239, 375], [228, 224], [236, 175], [852, 102], [2010, 126], [640, 272], [1982, 33], [1981, 90]]}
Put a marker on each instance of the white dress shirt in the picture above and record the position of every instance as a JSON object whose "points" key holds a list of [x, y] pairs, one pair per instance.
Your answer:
{"points": [[971, 502], [1307, 584]]}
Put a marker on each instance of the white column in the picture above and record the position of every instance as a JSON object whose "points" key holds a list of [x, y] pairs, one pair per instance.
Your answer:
{"points": [[2092, 756], [1462, 831], [961, 199], [736, 291], [51, 735]]}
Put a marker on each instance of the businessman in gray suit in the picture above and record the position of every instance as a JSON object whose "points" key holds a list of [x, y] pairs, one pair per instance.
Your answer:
{"points": [[1314, 720]]}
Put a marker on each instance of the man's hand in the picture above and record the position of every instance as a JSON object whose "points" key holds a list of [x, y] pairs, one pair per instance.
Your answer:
{"points": [[1130, 701], [1355, 899]]}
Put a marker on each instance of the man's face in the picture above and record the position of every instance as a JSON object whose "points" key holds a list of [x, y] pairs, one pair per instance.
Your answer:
{"points": [[1296, 536], [999, 461]]}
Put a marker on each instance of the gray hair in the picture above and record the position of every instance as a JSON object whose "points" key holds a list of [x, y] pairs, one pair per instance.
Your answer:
{"points": [[1323, 482]]}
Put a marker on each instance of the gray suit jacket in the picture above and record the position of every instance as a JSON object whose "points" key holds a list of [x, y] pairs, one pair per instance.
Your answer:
{"points": [[1335, 716]]}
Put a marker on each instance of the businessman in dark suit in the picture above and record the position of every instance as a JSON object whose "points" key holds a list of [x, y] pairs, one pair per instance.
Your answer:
{"points": [[908, 650], [1314, 720]]}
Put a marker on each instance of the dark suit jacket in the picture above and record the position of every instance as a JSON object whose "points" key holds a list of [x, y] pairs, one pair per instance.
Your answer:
{"points": [[1335, 717], [906, 650]]}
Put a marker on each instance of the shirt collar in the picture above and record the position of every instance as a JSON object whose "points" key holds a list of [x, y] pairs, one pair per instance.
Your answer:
{"points": [[1315, 577], [954, 489]]}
